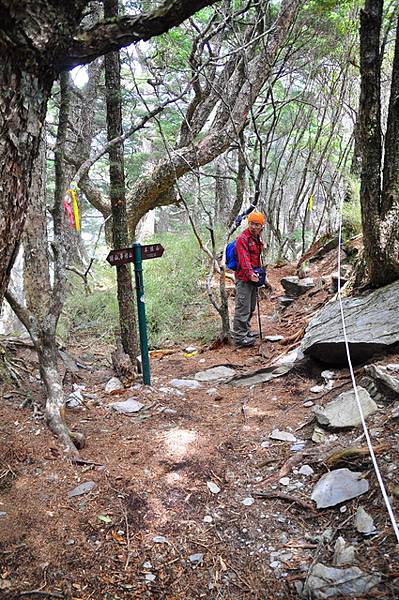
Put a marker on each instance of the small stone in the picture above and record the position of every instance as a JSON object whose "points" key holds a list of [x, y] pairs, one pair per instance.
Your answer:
{"points": [[283, 538], [265, 444], [147, 565], [196, 558], [297, 447], [172, 391], [2, 514], [343, 554], [316, 389], [150, 577], [308, 403], [319, 435], [306, 470], [344, 411], [208, 519], [74, 400], [328, 375], [337, 486], [248, 501], [186, 383], [113, 384], [282, 436], [364, 523], [212, 487], [131, 405], [285, 481], [327, 534], [215, 374], [331, 582], [212, 391], [70, 542], [190, 349], [81, 489], [159, 539]]}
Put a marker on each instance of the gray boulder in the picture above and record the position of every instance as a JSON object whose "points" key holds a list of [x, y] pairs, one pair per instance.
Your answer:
{"points": [[371, 324]]}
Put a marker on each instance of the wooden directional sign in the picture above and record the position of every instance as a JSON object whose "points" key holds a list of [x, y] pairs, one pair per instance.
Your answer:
{"points": [[126, 255], [151, 251], [120, 257]]}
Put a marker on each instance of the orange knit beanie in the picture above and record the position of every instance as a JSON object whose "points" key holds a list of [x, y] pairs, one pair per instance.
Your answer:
{"points": [[256, 217]]}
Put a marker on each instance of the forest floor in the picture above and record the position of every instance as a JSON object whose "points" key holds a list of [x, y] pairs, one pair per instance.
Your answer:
{"points": [[175, 509]]}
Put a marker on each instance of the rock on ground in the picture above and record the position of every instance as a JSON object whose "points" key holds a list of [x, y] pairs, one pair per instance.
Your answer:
{"points": [[338, 486], [344, 410], [329, 582]]}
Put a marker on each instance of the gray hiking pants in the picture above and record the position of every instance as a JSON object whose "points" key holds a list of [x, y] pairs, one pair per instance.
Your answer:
{"points": [[244, 308]]}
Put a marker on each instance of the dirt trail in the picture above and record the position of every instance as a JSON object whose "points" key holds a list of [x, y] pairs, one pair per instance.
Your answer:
{"points": [[152, 526]]}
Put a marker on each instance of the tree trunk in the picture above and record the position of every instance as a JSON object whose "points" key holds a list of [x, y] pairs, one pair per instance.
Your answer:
{"points": [[23, 102], [45, 302], [127, 317], [379, 203], [55, 407], [43, 308]]}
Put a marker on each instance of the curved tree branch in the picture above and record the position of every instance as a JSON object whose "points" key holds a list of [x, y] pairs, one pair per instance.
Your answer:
{"points": [[116, 33]]}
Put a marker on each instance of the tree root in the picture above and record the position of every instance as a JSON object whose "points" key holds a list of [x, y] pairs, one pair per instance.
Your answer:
{"points": [[287, 498], [346, 454]]}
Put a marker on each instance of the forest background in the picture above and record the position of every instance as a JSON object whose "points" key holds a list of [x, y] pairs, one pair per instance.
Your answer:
{"points": [[279, 104]]}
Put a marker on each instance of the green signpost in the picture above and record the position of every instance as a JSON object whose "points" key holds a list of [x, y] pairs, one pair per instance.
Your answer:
{"points": [[136, 254]]}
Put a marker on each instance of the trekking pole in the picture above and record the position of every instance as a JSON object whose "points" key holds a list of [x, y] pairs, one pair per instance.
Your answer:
{"points": [[259, 323]]}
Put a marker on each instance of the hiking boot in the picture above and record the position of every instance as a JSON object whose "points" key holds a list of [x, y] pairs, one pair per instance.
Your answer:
{"points": [[245, 342], [252, 334]]}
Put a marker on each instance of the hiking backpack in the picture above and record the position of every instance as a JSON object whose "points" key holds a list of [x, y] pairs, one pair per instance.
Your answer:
{"points": [[231, 258]]}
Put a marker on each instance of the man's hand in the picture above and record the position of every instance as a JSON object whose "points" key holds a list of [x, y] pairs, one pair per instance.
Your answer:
{"points": [[254, 277]]}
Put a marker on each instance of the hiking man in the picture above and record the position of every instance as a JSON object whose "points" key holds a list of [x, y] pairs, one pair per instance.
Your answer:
{"points": [[248, 250]]}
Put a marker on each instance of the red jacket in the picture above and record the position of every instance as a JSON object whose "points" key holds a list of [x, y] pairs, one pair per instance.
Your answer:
{"points": [[248, 250]]}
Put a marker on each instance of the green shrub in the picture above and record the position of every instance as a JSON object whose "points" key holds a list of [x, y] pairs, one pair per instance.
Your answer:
{"points": [[177, 307], [94, 312], [351, 219]]}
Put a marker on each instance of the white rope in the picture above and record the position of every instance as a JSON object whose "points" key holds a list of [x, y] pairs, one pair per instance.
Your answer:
{"points": [[366, 433]]}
